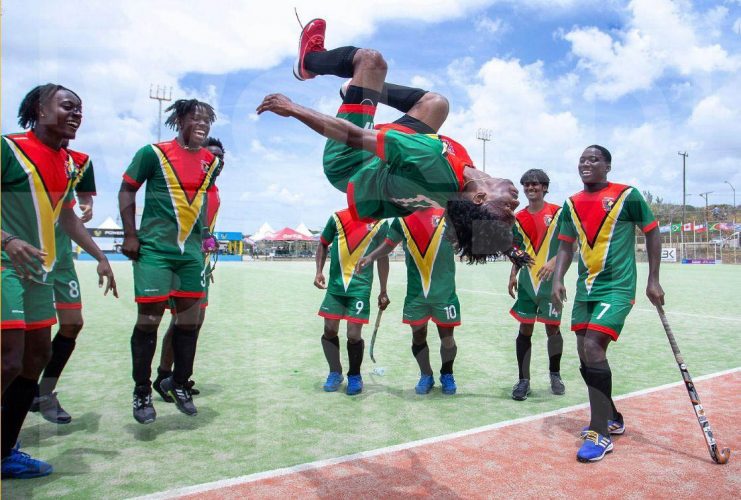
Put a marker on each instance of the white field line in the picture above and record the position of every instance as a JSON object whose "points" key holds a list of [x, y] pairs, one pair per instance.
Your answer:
{"points": [[202, 488], [668, 313]]}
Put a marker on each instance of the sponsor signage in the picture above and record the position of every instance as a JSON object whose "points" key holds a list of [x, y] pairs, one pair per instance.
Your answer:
{"points": [[668, 254], [700, 261], [105, 233]]}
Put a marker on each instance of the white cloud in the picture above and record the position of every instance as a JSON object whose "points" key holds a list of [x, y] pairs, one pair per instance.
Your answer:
{"points": [[659, 37], [491, 26]]}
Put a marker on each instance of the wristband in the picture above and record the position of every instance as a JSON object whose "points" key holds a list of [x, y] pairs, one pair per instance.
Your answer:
{"points": [[7, 240]]}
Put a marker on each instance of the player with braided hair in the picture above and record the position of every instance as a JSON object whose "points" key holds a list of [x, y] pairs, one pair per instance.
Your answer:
{"points": [[166, 250], [396, 169], [37, 177]]}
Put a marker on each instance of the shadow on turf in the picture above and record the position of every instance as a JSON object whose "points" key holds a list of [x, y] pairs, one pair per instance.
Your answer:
{"points": [[35, 434], [169, 419]]}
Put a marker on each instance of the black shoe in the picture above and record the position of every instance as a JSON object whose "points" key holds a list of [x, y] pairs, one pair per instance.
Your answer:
{"points": [[193, 390], [50, 409], [557, 386], [521, 389], [156, 386], [181, 395], [143, 408]]}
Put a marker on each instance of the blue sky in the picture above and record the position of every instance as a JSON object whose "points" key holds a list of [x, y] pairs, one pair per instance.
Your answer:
{"points": [[646, 79]]}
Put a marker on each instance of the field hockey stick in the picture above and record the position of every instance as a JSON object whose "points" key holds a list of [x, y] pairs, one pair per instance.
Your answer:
{"points": [[719, 457], [375, 332]]}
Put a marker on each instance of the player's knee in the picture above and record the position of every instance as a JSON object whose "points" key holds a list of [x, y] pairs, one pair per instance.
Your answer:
{"points": [[448, 342], [526, 329], [369, 60], [593, 354], [437, 103], [71, 330], [552, 330], [330, 332]]}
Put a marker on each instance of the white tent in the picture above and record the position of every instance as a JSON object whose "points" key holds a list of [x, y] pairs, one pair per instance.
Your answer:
{"points": [[265, 230], [109, 223], [304, 230]]}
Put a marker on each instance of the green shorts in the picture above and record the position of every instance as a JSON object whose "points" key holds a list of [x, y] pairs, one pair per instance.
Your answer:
{"points": [[352, 309], [66, 288], [341, 161], [604, 317], [26, 305], [418, 311], [158, 276], [528, 310]]}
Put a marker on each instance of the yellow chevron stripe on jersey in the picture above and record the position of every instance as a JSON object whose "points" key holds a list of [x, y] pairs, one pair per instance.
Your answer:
{"points": [[46, 214], [81, 169], [540, 257], [425, 263], [594, 257], [186, 213], [349, 259]]}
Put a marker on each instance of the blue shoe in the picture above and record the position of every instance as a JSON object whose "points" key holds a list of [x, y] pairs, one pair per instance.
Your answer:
{"points": [[334, 379], [614, 427], [425, 384], [354, 385], [594, 448], [448, 383], [19, 465]]}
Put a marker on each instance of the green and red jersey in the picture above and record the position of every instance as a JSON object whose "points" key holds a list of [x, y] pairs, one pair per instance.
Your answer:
{"points": [[36, 185], [351, 239], [212, 207], [84, 184], [603, 223], [177, 180], [536, 233], [430, 258]]}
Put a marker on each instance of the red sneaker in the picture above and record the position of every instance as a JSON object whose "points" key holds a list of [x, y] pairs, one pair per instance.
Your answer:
{"points": [[311, 40]]}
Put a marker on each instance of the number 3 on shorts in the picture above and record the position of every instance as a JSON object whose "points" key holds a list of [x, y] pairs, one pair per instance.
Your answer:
{"points": [[359, 307], [605, 307]]}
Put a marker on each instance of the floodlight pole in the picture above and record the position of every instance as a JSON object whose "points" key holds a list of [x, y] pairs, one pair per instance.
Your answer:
{"points": [[734, 202], [484, 135], [161, 94], [684, 156]]}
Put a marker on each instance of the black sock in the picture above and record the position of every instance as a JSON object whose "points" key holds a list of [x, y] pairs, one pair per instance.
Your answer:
{"points": [[336, 62], [417, 125], [331, 348], [143, 345], [401, 97], [582, 368], [163, 374], [599, 385], [355, 356], [61, 350], [184, 342], [447, 355], [555, 350], [15, 402], [361, 95], [422, 355], [522, 345]]}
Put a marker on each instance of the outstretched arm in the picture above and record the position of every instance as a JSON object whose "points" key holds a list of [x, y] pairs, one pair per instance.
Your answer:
{"points": [[653, 289], [330, 127]]}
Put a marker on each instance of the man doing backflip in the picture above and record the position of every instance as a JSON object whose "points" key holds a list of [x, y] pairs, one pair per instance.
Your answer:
{"points": [[348, 291], [602, 219], [536, 232], [399, 168], [430, 261], [166, 250]]}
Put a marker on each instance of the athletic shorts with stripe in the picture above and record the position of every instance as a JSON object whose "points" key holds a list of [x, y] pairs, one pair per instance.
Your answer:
{"points": [[352, 309], [158, 276], [605, 317], [26, 305], [341, 161], [528, 310], [418, 311], [67, 293]]}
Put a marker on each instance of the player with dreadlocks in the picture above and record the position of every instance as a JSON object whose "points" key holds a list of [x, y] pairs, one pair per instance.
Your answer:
{"points": [[395, 169], [37, 179], [216, 148], [536, 232], [167, 249]]}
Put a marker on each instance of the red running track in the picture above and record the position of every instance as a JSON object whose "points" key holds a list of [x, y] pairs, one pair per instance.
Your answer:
{"points": [[662, 454]]}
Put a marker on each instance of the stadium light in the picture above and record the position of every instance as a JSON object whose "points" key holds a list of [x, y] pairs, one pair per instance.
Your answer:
{"points": [[684, 156], [161, 94], [734, 201], [484, 135]]}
